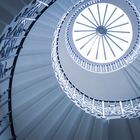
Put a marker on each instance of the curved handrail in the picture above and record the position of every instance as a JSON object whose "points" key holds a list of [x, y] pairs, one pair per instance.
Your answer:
{"points": [[11, 44], [99, 108]]}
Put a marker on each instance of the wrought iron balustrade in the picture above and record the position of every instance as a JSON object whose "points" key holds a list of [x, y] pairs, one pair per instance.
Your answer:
{"points": [[11, 43], [99, 108]]}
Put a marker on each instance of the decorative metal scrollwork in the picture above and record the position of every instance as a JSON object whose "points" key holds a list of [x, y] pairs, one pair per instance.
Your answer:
{"points": [[99, 108], [11, 42]]}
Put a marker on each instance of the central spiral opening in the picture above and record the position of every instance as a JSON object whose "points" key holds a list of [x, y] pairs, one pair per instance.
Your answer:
{"points": [[101, 30]]}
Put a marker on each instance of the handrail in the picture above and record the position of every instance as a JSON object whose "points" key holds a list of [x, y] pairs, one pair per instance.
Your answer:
{"points": [[11, 43], [99, 108]]}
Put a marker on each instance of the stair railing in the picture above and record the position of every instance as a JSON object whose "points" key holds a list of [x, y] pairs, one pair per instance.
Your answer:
{"points": [[11, 43]]}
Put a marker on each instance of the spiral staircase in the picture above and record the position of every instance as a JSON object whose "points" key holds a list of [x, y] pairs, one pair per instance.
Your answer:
{"points": [[34, 103]]}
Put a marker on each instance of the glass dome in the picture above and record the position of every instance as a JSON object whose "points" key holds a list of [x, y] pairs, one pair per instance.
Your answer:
{"points": [[103, 35]]}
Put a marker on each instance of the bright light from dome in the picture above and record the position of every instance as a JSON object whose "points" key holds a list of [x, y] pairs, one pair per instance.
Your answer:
{"points": [[102, 33]]}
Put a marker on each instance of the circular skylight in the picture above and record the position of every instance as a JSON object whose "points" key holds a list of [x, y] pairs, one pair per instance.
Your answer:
{"points": [[103, 37], [102, 33]]}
